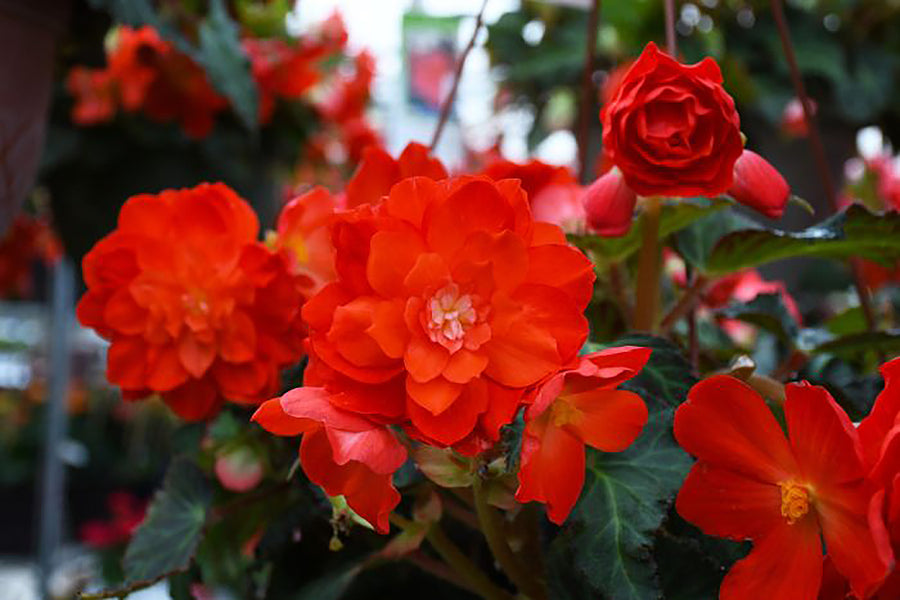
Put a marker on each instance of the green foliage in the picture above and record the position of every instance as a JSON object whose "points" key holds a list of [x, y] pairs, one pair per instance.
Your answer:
{"points": [[331, 585], [666, 378], [226, 64], [696, 241], [610, 533], [166, 540], [768, 312], [852, 233], [673, 218]]}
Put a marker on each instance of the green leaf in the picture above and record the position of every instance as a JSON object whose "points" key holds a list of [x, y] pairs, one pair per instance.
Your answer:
{"points": [[332, 585], [673, 218], [226, 64], [858, 344], [696, 241], [767, 311], [608, 537], [852, 233], [666, 378], [166, 540]]}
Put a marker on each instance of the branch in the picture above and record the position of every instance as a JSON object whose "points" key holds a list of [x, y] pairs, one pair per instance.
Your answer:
{"points": [[587, 92], [671, 40], [128, 589], [448, 102], [685, 303]]}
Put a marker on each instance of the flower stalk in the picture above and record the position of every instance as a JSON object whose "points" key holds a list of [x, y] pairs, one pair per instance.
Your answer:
{"points": [[647, 301]]}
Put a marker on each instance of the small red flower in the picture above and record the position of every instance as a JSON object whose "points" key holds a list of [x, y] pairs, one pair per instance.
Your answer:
{"points": [[784, 493], [671, 128], [379, 171], [609, 204], [126, 513], [793, 119], [553, 192], [759, 185], [95, 93], [575, 407], [345, 453], [196, 309], [281, 70], [304, 235]]}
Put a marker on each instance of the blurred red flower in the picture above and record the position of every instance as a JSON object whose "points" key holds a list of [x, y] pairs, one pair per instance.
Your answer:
{"points": [[196, 309], [126, 513], [29, 239]]}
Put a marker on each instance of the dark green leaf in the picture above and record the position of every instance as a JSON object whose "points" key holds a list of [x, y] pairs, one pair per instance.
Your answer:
{"points": [[330, 586], [854, 232], [666, 378], [697, 240], [858, 344], [226, 64], [166, 540], [767, 311], [674, 218], [609, 535]]}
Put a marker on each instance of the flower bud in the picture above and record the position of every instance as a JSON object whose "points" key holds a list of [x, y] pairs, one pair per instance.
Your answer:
{"points": [[609, 204], [759, 185]]}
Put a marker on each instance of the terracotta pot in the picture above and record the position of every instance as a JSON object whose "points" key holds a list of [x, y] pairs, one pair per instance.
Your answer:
{"points": [[28, 34]]}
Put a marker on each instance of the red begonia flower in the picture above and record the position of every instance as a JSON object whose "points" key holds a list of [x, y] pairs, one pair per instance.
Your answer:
{"points": [[553, 191], [759, 185], [95, 93], [575, 407], [783, 493], [452, 290], [378, 172], [196, 309], [281, 70], [126, 513], [346, 454], [672, 128], [609, 204], [304, 235]]}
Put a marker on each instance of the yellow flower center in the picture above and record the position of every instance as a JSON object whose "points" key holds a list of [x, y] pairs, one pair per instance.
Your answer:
{"points": [[794, 501]]}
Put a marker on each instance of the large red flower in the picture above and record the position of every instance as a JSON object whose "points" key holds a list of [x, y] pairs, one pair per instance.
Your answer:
{"points": [[379, 171], [304, 235], [575, 407], [451, 295], [672, 128], [347, 454], [196, 309], [785, 494]]}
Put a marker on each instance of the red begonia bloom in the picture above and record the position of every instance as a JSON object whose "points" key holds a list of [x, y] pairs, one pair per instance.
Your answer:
{"points": [[451, 296], [126, 513], [553, 191], [304, 235], [343, 452], [609, 204], [196, 309], [759, 185], [379, 171], [672, 128], [27, 240], [783, 493], [575, 407], [95, 93], [281, 70]]}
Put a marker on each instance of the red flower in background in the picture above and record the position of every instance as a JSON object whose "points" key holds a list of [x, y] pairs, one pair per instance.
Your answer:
{"points": [[379, 171], [304, 236], [29, 239], [671, 128], [553, 191], [575, 407], [96, 95], [344, 453], [196, 309], [281, 70], [126, 513], [751, 482]]}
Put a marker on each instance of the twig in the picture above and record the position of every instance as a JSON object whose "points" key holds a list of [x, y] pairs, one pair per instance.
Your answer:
{"points": [[647, 295], [496, 539], [448, 102], [438, 569], [587, 92], [684, 305], [818, 150], [671, 41], [128, 589], [617, 285]]}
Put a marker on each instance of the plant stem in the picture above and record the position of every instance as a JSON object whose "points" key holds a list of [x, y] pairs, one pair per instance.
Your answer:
{"points": [[648, 268], [587, 92], [448, 102], [492, 527], [685, 304], [124, 591], [818, 151], [438, 569], [458, 561], [671, 40]]}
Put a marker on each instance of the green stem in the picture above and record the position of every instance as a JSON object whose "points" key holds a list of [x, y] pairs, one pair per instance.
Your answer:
{"points": [[492, 527], [647, 301], [474, 577]]}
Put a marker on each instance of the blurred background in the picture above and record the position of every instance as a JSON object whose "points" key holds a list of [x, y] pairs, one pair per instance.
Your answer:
{"points": [[104, 99]]}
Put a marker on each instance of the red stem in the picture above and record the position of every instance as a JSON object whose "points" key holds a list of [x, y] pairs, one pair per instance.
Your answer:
{"points": [[587, 92]]}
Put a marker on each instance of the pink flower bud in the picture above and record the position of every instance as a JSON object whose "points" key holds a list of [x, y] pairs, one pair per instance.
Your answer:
{"points": [[239, 470], [609, 204], [759, 185]]}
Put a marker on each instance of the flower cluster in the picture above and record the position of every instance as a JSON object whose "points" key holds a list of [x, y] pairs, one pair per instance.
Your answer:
{"points": [[148, 75], [452, 308], [196, 309], [824, 480], [27, 240], [672, 130]]}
